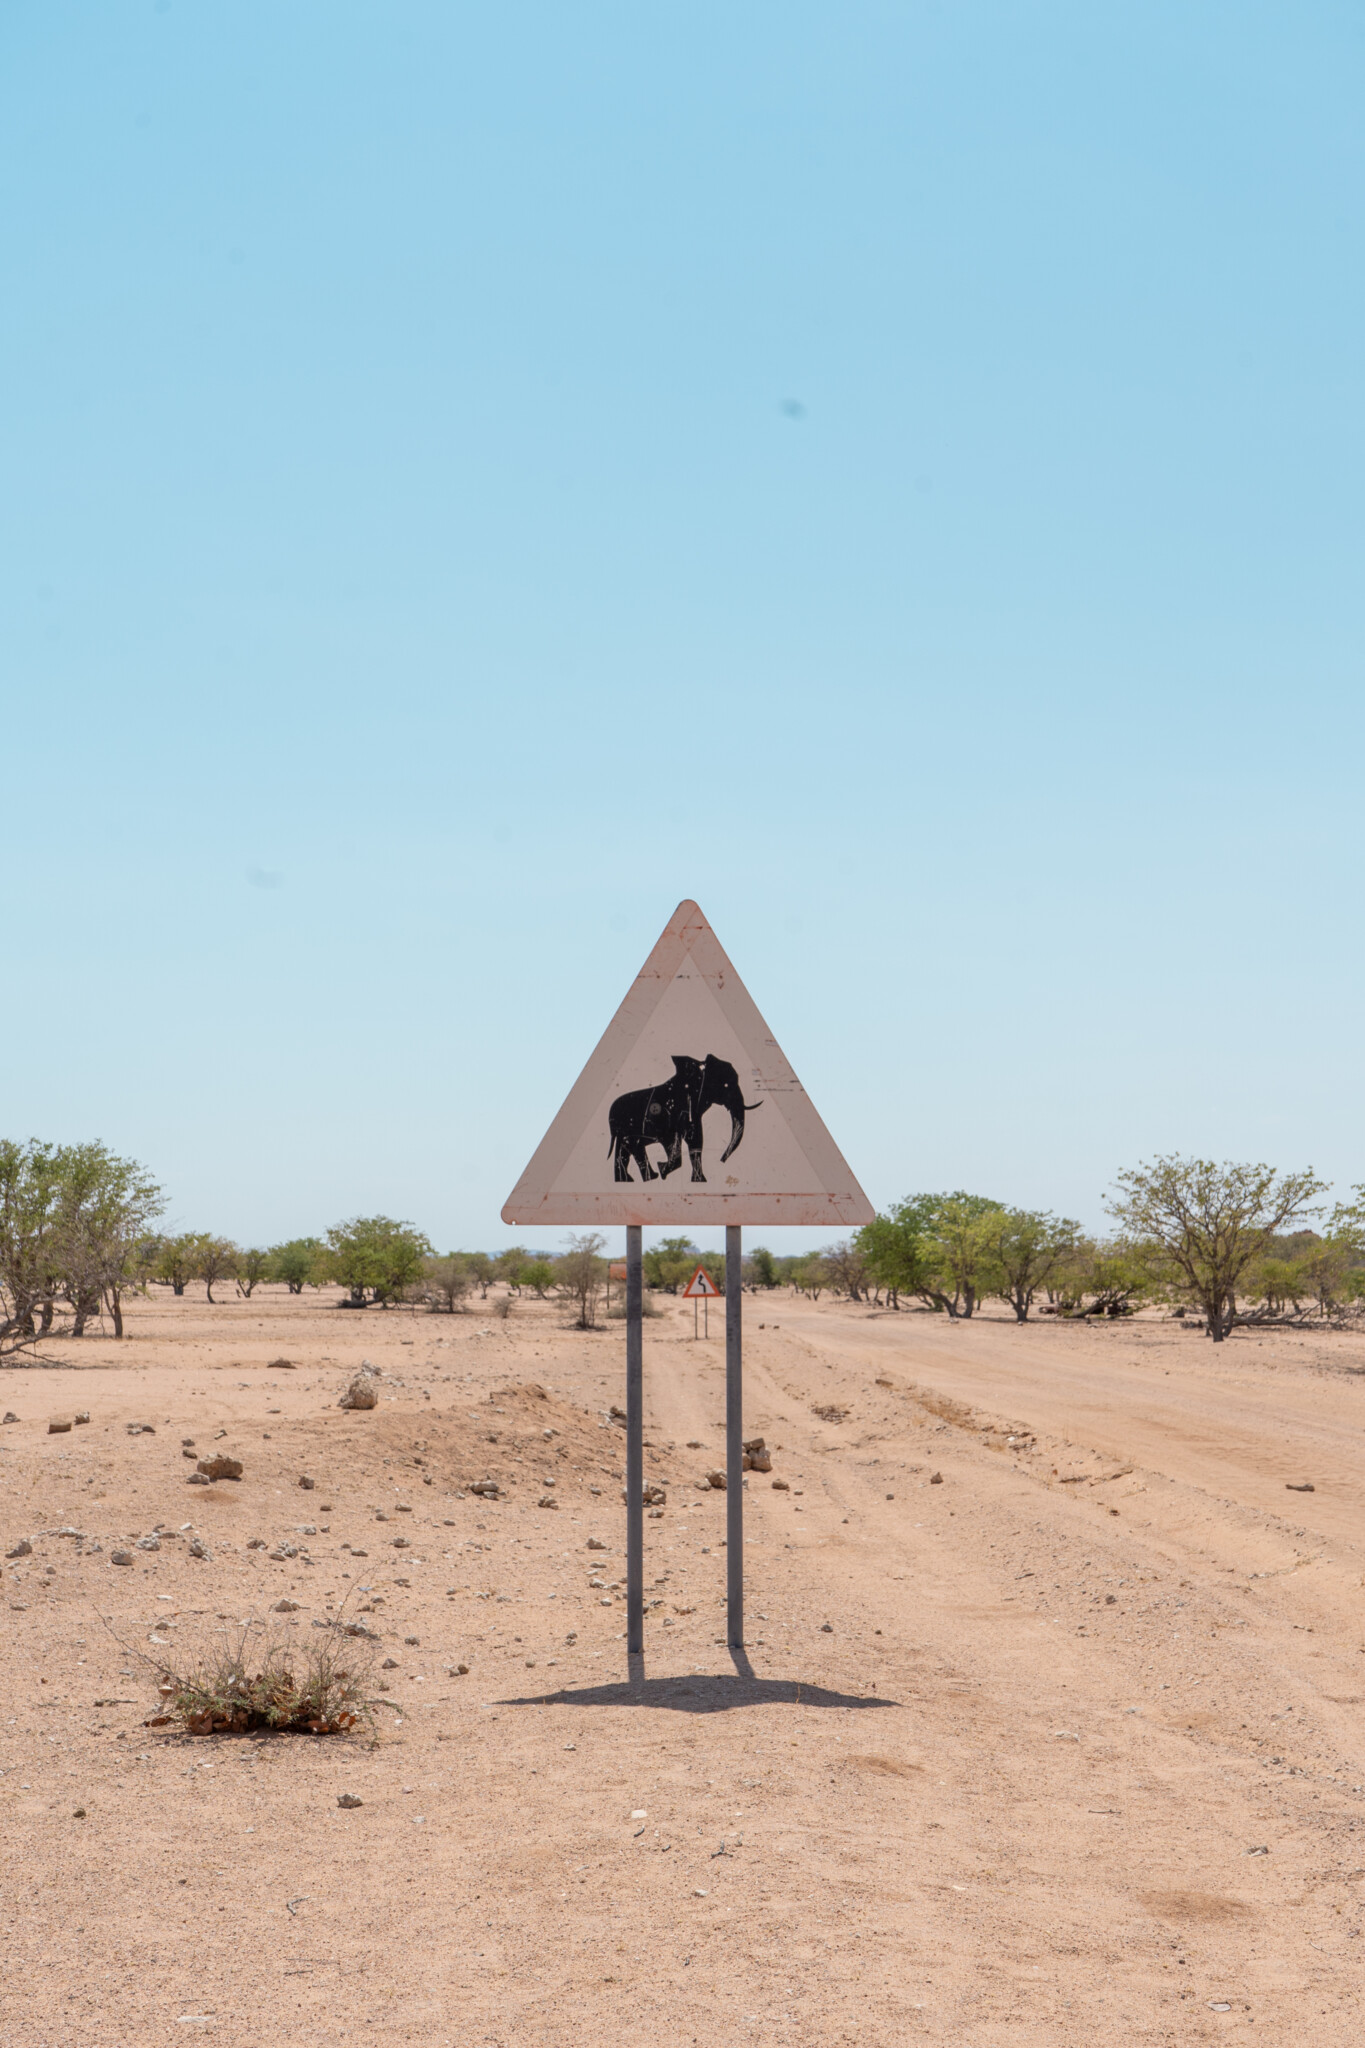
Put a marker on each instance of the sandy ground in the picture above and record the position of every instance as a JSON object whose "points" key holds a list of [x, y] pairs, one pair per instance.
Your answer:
{"points": [[1066, 1748]]}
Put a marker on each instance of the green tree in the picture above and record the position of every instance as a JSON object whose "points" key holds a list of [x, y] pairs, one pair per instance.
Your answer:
{"points": [[105, 1206], [300, 1263], [1207, 1223], [1276, 1286], [105, 1217], [538, 1275], [1029, 1246], [482, 1271], [253, 1266], [963, 1230], [177, 1260], [899, 1248], [508, 1264], [447, 1282], [941, 1248], [809, 1275], [762, 1267], [217, 1261], [579, 1274], [29, 1278], [376, 1259]]}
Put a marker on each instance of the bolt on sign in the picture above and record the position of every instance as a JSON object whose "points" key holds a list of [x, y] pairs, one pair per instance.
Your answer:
{"points": [[687, 1112]]}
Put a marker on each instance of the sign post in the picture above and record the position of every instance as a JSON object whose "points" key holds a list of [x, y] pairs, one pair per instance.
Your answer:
{"points": [[734, 1440], [610, 1157], [635, 1441]]}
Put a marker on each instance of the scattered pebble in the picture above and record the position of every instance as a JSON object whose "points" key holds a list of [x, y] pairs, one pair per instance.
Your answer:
{"points": [[348, 1799], [23, 1548], [286, 1607], [59, 1425], [198, 1548], [120, 1557], [1299, 1486], [936, 1479]]}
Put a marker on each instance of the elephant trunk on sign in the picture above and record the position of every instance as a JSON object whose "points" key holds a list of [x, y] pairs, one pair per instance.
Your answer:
{"points": [[720, 1086]]}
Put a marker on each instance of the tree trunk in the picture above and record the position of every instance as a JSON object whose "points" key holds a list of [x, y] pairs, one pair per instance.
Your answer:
{"points": [[44, 1328], [116, 1310], [177, 1287]]}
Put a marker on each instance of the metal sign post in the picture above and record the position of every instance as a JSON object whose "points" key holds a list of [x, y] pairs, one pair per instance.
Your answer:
{"points": [[635, 1441], [734, 1441], [728, 1136]]}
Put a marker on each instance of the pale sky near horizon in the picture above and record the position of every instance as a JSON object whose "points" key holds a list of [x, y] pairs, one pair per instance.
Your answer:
{"points": [[475, 476]]}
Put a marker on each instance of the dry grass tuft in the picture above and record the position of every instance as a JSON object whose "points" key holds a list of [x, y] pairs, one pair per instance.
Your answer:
{"points": [[253, 1677]]}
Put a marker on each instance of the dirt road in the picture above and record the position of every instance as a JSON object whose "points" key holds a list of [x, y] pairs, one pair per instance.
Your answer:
{"points": [[1050, 1730]]}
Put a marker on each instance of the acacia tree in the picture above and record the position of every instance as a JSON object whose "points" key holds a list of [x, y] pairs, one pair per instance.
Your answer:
{"points": [[762, 1268], [105, 1208], [670, 1264], [298, 1263], [1207, 1223], [939, 1247], [846, 1268], [217, 1261], [177, 1259], [376, 1258], [538, 1275], [29, 1280], [447, 1281], [896, 1247], [252, 1266], [1029, 1246], [579, 1273]]}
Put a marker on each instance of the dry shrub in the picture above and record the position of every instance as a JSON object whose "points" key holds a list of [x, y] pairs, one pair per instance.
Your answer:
{"points": [[255, 1677]]}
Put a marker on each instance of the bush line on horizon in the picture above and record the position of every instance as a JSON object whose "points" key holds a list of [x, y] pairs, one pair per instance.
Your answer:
{"points": [[1230, 1242]]}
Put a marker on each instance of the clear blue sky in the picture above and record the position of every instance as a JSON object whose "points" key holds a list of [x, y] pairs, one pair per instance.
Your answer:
{"points": [[473, 476]]}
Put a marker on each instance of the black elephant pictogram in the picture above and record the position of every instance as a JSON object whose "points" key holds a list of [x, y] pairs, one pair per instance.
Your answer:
{"points": [[670, 1115]]}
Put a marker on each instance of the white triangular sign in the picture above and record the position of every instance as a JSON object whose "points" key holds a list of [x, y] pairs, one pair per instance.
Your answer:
{"points": [[701, 1287], [687, 1112]]}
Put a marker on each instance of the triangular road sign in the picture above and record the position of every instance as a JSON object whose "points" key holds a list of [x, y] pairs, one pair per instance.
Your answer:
{"points": [[700, 1287], [687, 1112]]}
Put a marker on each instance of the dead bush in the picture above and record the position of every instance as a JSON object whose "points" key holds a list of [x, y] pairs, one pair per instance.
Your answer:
{"points": [[259, 1676]]}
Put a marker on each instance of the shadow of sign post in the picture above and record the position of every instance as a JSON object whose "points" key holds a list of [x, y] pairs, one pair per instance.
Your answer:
{"points": [[687, 1074]]}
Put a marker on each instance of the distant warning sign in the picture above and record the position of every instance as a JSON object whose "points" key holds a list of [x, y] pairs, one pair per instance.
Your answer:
{"points": [[701, 1287], [687, 1112]]}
